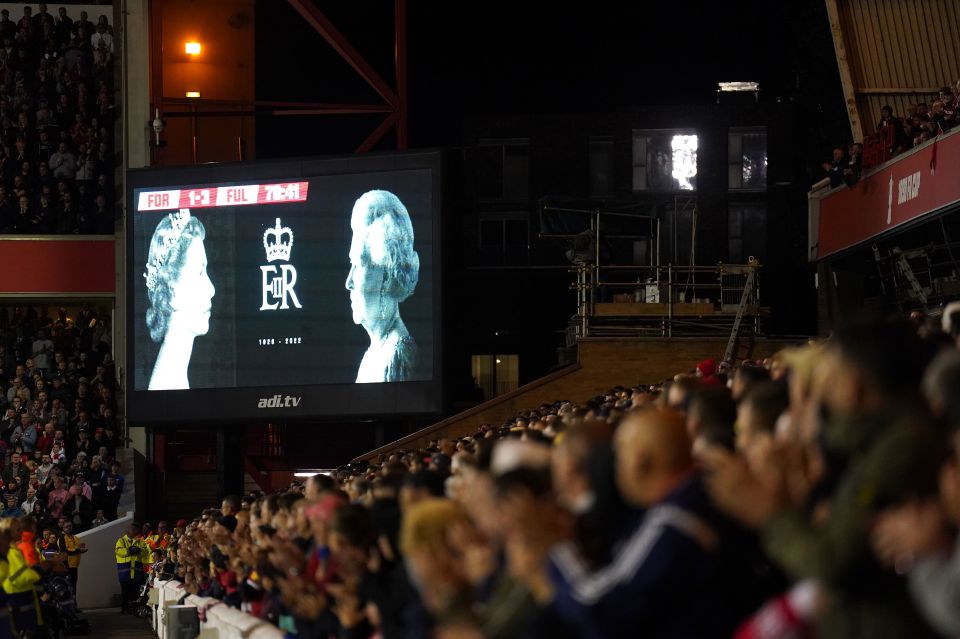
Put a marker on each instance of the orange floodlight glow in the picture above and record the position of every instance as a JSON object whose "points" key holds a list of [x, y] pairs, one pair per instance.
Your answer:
{"points": [[192, 48]]}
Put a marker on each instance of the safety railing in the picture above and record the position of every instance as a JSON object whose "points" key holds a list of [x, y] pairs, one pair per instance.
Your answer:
{"points": [[666, 301]]}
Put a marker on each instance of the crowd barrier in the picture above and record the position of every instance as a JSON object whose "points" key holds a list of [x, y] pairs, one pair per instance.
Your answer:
{"points": [[217, 620]]}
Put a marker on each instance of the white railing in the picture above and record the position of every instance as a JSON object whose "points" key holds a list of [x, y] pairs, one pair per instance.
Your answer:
{"points": [[227, 622]]}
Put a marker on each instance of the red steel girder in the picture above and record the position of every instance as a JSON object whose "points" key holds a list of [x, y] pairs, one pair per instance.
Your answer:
{"points": [[319, 21]]}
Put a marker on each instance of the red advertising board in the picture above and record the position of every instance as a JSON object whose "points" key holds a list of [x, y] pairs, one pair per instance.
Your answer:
{"points": [[55, 266], [923, 181]]}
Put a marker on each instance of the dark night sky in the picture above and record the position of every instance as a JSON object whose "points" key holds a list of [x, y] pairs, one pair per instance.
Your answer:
{"points": [[502, 57]]}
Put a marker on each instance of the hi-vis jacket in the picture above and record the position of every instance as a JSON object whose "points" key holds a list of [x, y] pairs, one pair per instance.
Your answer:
{"points": [[130, 553], [20, 576]]}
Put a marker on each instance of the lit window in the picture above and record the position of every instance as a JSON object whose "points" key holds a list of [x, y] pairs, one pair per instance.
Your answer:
{"points": [[684, 160], [665, 160]]}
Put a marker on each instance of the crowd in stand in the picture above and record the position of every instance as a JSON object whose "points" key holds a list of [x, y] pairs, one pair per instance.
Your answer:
{"points": [[58, 432], [56, 123], [816, 493], [59, 475], [922, 122]]}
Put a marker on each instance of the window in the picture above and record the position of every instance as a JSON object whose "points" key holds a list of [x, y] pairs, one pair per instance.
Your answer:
{"points": [[665, 160], [601, 166], [503, 170], [504, 238], [747, 234], [495, 374], [747, 159]]}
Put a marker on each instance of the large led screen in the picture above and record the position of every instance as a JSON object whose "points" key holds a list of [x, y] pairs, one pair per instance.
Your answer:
{"points": [[290, 289]]}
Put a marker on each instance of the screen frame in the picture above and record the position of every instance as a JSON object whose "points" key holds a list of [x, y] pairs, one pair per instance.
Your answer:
{"points": [[340, 401]]}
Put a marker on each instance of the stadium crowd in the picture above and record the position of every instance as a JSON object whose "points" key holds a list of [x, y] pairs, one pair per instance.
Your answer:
{"points": [[59, 475], [895, 135], [58, 432], [816, 493], [57, 116]]}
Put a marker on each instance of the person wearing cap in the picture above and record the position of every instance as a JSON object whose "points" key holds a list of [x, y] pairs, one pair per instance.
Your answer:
{"points": [[179, 528]]}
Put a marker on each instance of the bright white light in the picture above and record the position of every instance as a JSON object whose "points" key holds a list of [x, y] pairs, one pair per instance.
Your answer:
{"points": [[498, 361], [311, 473], [192, 48], [739, 86], [684, 160]]}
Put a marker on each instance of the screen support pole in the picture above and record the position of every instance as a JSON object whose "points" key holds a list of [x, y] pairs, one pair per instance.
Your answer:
{"points": [[230, 457]]}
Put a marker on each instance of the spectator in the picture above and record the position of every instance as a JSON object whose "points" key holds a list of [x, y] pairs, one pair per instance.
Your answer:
{"points": [[12, 509], [835, 167], [63, 163], [78, 509], [28, 505], [100, 519], [109, 498]]}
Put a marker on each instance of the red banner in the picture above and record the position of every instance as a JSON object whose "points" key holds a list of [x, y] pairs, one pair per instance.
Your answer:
{"points": [[913, 185], [239, 195], [45, 266]]}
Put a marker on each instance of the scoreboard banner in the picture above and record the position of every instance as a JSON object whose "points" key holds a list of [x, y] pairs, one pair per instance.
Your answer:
{"points": [[238, 195]]}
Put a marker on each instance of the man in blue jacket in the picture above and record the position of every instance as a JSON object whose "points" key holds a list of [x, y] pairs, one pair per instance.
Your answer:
{"points": [[665, 572]]}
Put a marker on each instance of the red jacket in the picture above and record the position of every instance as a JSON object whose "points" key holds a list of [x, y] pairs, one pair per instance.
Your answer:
{"points": [[45, 444], [29, 548]]}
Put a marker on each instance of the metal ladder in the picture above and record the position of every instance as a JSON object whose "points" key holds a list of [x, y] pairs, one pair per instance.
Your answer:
{"points": [[903, 267], [741, 309]]}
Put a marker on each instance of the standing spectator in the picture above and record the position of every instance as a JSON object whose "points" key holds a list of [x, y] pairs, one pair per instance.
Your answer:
{"points": [[45, 442], [42, 352], [78, 509], [102, 216], [63, 25], [57, 498], [63, 163], [25, 435], [68, 544], [84, 23], [102, 40], [30, 502], [109, 498]]}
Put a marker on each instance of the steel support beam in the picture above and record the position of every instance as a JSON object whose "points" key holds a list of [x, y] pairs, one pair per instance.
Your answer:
{"points": [[322, 24], [400, 59], [846, 78], [378, 133]]}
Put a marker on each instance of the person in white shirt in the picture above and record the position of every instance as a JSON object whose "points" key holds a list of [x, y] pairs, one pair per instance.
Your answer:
{"points": [[43, 470], [102, 38], [31, 501]]}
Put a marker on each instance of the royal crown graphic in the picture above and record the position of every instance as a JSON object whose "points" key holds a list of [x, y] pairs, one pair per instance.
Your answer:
{"points": [[281, 244]]}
